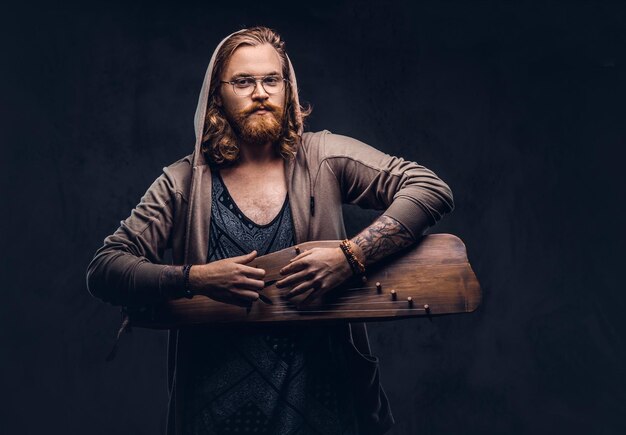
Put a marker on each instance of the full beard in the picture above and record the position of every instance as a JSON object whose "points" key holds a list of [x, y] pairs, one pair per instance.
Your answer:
{"points": [[258, 130]]}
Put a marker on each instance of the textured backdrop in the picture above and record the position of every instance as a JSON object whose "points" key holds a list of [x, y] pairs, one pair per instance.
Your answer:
{"points": [[519, 107]]}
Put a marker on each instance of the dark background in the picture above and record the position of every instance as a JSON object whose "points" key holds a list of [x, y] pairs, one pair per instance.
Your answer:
{"points": [[520, 107]]}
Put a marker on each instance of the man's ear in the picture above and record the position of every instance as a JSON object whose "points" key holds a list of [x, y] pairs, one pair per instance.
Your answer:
{"points": [[218, 100]]}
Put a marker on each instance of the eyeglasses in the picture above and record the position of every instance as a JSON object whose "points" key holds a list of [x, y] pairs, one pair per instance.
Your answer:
{"points": [[245, 86]]}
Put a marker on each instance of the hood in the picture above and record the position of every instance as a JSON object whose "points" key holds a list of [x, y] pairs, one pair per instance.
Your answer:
{"points": [[200, 188], [198, 157]]}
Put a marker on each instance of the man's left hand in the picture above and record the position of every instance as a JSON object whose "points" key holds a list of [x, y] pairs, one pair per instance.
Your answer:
{"points": [[319, 270]]}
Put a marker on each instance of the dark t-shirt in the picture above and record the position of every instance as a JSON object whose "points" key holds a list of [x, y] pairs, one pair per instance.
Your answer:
{"points": [[271, 379]]}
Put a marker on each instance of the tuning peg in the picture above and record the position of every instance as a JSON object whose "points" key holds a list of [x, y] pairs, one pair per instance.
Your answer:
{"points": [[394, 295], [297, 250], [379, 287], [410, 301]]}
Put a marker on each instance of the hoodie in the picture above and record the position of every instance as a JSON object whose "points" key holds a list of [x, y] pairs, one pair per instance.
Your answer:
{"points": [[326, 171]]}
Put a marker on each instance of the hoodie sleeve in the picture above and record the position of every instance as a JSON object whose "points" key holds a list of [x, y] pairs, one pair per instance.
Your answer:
{"points": [[127, 269], [408, 192]]}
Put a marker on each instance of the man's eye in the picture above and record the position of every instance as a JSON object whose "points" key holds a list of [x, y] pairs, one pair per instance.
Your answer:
{"points": [[243, 82], [271, 81]]}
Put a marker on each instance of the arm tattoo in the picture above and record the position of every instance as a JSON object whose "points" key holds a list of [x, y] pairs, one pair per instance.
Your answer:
{"points": [[382, 238]]}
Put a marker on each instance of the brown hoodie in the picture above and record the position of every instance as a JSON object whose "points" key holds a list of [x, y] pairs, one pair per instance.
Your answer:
{"points": [[327, 170]]}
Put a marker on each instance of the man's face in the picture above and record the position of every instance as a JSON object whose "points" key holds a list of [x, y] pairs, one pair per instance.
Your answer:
{"points": [[257, 118]]}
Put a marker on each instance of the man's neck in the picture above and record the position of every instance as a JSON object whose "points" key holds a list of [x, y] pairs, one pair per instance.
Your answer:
{"points": [[257, 154]]}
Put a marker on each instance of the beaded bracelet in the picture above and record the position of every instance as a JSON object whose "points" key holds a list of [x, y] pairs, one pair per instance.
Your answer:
{"points": [[187, 291], [356, 266]]}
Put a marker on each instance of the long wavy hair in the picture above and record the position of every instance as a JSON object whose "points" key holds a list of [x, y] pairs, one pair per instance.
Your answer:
{"points": [[219, 141]]}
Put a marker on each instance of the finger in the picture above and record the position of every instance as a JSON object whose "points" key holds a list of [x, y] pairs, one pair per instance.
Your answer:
{"points": [[293, 279], [244, 295], [246, 258], [293, 267], [251, 284], [301, 288], [252, 272], [301, 255]]}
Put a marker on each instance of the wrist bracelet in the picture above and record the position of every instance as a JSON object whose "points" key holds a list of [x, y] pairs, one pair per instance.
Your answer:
{"points": [[187, 291], [356, 266]]}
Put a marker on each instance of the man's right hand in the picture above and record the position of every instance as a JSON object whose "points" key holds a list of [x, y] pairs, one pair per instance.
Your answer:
{"points": [[229, 280]]}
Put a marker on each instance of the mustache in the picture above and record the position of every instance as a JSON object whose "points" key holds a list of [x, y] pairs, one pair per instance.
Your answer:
{"points": [[258, 106]]}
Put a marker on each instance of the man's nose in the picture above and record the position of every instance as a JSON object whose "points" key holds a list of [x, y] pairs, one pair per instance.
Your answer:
{"points": [[259, 92]]}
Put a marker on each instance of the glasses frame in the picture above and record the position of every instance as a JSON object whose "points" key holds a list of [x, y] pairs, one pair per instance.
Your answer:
{"points": [[257, 80]]}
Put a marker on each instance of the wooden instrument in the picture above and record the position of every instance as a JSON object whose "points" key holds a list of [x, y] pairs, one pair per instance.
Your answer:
{"points": [[430, 278]]}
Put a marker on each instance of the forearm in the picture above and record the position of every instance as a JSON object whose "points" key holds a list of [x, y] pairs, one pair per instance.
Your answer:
{"points": [[385, 236], [322, 269], [124, 279]]}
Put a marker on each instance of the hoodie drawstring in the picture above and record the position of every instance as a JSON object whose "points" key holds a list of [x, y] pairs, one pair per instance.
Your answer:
{"points": [[125, 326]]}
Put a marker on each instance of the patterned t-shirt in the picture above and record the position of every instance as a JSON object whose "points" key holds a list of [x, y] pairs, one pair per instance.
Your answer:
{"points": [[266, 379]]}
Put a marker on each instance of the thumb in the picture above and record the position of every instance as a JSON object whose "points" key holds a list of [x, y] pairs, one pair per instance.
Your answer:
{"points": [[244, 259]]}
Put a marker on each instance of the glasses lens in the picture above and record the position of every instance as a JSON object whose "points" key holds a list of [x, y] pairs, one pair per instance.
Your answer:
{"points": [[244, 86], [273, 84]]}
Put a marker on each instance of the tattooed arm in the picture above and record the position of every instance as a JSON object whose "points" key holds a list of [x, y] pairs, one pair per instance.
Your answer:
{"points": [[384, 237], [412, 196]]}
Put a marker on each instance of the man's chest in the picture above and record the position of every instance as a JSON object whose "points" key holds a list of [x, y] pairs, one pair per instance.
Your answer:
{"points": [[260, 196]]}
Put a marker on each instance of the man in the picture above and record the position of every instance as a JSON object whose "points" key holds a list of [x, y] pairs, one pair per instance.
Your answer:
{"points": [[256, 184]]}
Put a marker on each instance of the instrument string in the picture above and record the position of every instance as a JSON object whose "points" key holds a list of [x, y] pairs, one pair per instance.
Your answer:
{"points": [[289, 304], [279, 308], [346, 299], [349, 311]]}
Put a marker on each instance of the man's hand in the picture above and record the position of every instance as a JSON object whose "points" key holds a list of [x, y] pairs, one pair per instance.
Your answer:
{"points": [[319, 270], [228, 280]]}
